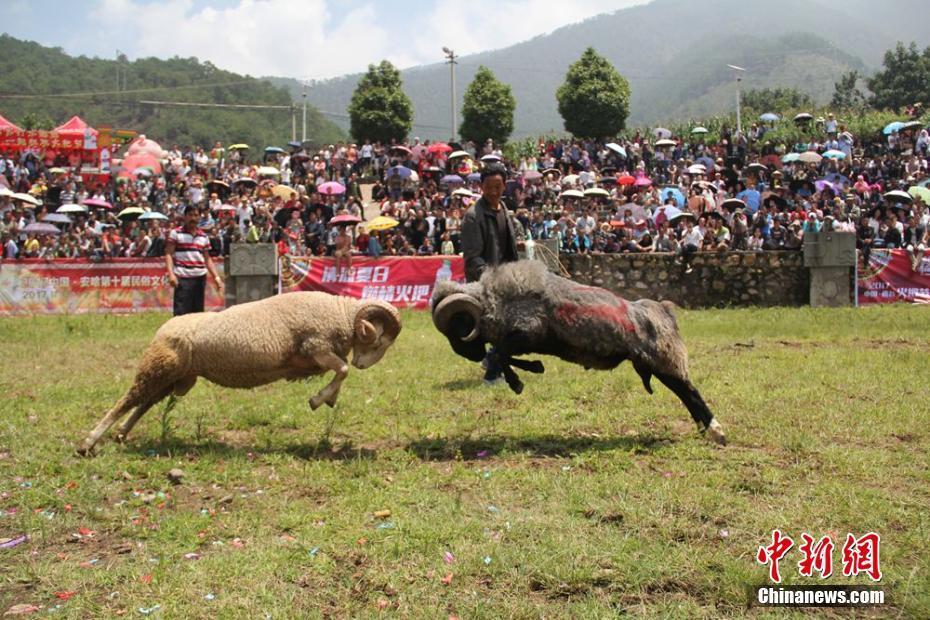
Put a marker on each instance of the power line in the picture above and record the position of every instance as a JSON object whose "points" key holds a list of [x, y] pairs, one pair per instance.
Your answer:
{"points": [[190, 104], [121, 92]]}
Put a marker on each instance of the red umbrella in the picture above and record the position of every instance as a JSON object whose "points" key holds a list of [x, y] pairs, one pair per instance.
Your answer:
{"points": [[626, 179], [440, 147]]}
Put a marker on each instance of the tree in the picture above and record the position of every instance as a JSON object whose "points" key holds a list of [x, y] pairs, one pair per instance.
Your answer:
{"points": [[488, 109], [594, 100], [379, 110], [905, 80], [775, 99], [846, 93]]}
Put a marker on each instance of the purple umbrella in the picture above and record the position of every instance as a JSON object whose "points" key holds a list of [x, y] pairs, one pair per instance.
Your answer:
{"points": [[821, 185], [331, 188], [399, 171], [42, 229], [451, 179], [474, 176]]}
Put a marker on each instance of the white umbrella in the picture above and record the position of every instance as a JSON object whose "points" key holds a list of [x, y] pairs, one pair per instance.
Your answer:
{"points": [[810, 157], [898, 196], [463, 192], [596, 191], [662, 132], [665, 142], [26, 198], [71, 209], [457, 154], [616, 148], [571, 193], [570, 179], [697, 169], [268, 171], [699, 130]]}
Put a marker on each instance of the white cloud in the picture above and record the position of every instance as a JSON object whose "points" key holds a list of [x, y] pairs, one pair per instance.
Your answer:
{"points": [[304, 38]]}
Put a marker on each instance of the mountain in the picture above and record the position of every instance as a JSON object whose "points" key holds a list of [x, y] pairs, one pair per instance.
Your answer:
{"points": [[28, 68], [673, 52]]}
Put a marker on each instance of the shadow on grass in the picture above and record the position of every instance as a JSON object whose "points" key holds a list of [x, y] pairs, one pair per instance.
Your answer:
{"points": [[451, 448], [318, 451], [457, 385]]}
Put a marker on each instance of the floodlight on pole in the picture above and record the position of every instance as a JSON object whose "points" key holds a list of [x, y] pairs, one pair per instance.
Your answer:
{"points": [[451, 62], [739, 120]]}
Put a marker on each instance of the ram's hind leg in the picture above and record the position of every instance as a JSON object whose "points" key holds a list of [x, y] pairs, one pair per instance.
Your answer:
{"points": [[689, 395]]}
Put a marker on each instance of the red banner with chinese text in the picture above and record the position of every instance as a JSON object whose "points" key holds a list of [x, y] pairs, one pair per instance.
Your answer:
{"points": [[78, 286], [890, 277], [406, 282], [12, 139]]}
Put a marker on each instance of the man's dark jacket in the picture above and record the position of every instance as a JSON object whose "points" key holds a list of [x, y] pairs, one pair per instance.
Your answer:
{"points": [[480, 243]]}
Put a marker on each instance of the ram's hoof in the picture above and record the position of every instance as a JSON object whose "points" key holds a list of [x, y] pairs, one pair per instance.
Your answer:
{"points": [[315, 403], [715, 432], [84, 450]]}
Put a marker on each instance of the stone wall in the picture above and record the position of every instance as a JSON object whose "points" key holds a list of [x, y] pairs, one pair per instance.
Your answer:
{"points": [[717, 280]]}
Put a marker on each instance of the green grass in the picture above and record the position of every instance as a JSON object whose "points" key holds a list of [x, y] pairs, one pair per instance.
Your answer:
{"points": [[589, 497]]}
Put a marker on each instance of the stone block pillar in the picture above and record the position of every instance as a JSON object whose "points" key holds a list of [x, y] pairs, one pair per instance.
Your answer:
{"points": [[831, 257], [252, 272]]}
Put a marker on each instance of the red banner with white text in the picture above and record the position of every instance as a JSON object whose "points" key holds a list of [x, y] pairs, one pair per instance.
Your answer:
{"points": [[406, 282], [891, 276], [78, 286]]}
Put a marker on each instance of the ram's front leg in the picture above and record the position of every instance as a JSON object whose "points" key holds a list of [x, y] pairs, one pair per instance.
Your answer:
{"points": [[329, 394]]}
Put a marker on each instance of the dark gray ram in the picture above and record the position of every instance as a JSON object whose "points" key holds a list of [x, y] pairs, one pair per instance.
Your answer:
{"points": [[523, 309]]}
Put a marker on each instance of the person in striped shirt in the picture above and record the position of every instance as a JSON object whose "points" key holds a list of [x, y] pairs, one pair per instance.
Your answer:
{"points": [[187, 258]]}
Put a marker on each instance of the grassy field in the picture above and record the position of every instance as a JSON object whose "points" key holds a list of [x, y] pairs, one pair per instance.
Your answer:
{"points": [[583, 498]]}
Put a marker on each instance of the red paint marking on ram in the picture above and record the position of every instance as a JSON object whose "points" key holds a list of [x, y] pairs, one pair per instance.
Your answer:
{"points": [[571, 314]]}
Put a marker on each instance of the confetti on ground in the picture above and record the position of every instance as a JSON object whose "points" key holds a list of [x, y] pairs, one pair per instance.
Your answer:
{"points": [[9, 543], [149, 610], [447, 579], [487, 559], [21, 610], [382, 514], [448, 557], [65, 595]]}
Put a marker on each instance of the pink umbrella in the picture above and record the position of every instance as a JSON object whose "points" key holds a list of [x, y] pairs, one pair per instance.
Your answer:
{"points": [[224, 208], [440, 147], [345, 218], [331, 188], [643, 181], [97, 202]]}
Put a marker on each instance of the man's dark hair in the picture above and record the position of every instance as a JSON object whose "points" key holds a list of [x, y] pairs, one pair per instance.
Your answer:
{"points": [[494, 169]]}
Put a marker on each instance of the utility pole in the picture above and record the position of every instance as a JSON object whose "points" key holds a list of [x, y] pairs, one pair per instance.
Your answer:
{"points": [[117, 70], [451, 55], [303, 131], [739, 121], [293, 122]]}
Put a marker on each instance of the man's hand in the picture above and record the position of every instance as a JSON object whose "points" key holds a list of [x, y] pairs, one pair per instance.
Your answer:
{"points": [[218, 282], [172, 280]]}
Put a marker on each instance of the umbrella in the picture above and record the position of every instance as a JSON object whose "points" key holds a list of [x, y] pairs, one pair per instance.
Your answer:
{"points": [[153, 215], [665, 212], [532, 175], [661, 132], [810, 157], [756, 168], [451, 179], [675, 193], [382, 222], [57, 170], [910, 125], [626, 179], [131, 212], [57, 218], [791, 157], [642, 181], [239, 147], [142, 172], [836, 178], [890, 128], [399, 148], [665, 142], [474, 176], [399, 171], [596, 191], [551, 172], [217, 183], [770, 117], [705, 161], [295, 144], [697, 169], [331, 188], [570, 179], [439, 147], [616, 148], [822, 185], [222, 208], [491, 157], [571, 193], [71, 209], [345, 218], [922, 193], [834, 154], [245, 180], [267, 171], [699, 130], [681, 215], [458, 154], [42, 229], [898, 196], [283, 191], [770, 197], [4, 190], [27, 198], [803, 117], [463, 192], [702, 185], [274, 149]]}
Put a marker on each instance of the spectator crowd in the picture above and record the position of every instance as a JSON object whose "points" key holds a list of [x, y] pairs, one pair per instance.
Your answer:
{"points": [[652, 192]]}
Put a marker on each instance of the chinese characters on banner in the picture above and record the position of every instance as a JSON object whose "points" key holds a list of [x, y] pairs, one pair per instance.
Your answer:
{"points": [[859, 556], [405, 282], [77, 286], [890, 277], [12, 139]]}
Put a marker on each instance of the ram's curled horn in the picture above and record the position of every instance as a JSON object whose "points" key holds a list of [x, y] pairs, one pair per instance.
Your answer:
{"points": [[455, 304], [380, 311]]}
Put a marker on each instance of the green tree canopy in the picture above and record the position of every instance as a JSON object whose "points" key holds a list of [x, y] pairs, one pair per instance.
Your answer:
{"points": [[379, 110], [846, 93], [775, 99], [905, 79], [594, 100], [488, 109]]}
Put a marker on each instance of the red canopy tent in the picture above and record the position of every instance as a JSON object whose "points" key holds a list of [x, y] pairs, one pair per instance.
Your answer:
{"points": [[75, 127], [7, 125]]}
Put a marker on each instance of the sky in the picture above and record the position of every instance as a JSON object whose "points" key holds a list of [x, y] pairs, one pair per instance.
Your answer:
{"points": [[305, 39]]}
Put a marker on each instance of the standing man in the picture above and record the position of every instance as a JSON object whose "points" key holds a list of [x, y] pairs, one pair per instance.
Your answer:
{"points": [[187, 258], [488, 239]]}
